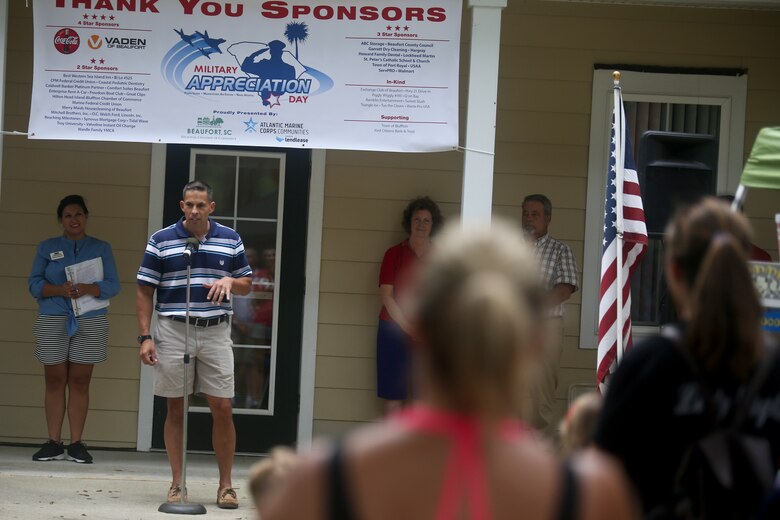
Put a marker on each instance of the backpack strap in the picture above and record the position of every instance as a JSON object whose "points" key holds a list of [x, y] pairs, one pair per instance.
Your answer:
{"points": [[569, 494], [339, 505]]}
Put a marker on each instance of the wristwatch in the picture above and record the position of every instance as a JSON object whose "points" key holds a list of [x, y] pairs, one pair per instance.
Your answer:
{"points": [[143, 338]]}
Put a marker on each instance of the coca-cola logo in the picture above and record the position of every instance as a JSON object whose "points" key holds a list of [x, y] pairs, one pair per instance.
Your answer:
{"points": [[67, 41]]}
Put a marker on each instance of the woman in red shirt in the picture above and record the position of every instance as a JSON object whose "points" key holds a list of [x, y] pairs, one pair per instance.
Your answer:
{"points": [[421, 220]]}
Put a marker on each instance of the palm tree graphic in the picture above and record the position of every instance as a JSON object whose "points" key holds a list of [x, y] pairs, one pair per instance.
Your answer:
{"points": [[296, 32]]}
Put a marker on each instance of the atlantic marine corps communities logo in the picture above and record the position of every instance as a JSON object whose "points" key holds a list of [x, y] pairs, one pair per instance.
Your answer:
{"points": [[67, 41], [270, 69]]}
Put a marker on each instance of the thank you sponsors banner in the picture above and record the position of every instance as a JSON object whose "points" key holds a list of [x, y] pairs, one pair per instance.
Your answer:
{"points": [[354, 74]]}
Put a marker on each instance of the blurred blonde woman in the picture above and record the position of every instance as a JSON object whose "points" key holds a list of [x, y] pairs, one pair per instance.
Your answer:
{"points": [[458, 453]]}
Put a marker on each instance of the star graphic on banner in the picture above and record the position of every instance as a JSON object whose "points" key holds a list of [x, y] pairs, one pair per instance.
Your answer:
{"points": [[274, 103], [93, 60], [94, 17], [86, 16], [102, 61], [102, 17], [111, 17], [389, 27], [250, 125], [397, 27], [406, 27]]}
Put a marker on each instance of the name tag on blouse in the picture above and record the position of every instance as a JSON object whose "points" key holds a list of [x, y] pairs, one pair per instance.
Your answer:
{"points": [[57, 255]]}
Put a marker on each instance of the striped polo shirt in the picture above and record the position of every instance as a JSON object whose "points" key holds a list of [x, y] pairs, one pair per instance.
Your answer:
{"points": [[164, 267]]}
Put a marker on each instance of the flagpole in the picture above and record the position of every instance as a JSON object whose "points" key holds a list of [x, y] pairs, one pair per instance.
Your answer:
{"points": [[620, 144]]}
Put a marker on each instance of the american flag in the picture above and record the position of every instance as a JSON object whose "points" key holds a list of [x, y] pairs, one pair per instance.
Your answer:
{"points": [[631, 250]]}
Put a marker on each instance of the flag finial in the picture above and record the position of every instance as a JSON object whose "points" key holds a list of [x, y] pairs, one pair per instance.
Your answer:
{"points": [[616, 77]]}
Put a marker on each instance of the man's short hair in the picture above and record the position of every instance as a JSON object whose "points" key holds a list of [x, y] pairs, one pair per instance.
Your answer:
{"points": [[197, 186], [538, 197]]}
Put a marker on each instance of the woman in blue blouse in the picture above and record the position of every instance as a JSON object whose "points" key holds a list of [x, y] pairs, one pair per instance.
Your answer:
{"points": [[67, 345]]}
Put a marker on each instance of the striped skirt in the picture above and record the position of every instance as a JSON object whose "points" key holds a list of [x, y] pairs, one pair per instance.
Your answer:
{"points": [[88, 346]]}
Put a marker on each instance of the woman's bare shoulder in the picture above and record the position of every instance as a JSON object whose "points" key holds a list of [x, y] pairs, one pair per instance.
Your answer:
{"points": [[303, 493], [300, 494]]}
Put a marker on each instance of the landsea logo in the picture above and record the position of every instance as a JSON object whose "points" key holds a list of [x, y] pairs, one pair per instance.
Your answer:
{"points": [[209, 126], [210, 122]]}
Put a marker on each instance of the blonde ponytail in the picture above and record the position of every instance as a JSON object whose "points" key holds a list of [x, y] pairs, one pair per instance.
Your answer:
{"points": [[479, 306]]}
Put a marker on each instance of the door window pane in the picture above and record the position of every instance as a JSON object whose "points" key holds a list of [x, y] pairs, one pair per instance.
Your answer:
{"points": [[259, 195], [219, 172], [252, 375]]}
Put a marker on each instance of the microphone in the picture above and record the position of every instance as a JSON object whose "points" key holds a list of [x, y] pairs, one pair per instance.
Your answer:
{"points": [[191, 247]]}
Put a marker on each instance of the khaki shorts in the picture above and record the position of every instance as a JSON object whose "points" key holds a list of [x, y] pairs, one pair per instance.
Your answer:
{"points": [[210, 370]]}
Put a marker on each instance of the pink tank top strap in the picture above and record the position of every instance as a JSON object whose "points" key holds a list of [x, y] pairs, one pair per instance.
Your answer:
{"points": [[465, 473]]}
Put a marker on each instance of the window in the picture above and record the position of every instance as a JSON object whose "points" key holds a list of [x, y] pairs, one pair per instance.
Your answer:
{"points": [[692, 103]]}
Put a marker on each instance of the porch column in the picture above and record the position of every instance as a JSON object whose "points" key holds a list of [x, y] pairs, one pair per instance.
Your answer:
{"points": [[3, 54], [477, 197]]}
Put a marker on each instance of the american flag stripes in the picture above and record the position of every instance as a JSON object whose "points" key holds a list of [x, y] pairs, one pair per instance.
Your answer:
{"points": [[623, 211]]}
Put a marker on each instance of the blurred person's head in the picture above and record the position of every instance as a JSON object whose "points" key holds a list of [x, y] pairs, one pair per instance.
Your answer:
{"points": [[707, 249], [478, 312], [537, 214], [252, 258], [578, 424], [269, 258], [270, 471], [422, 218]]}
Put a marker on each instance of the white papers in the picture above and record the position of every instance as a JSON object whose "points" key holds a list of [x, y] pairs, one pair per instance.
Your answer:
{"points": [[88, 271]]}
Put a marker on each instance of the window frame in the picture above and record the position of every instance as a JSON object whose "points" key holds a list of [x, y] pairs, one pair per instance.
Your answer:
{"points": [[729, 92]]}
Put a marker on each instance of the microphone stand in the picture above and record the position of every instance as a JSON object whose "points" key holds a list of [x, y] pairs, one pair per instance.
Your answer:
{"points": [[182, 507]]}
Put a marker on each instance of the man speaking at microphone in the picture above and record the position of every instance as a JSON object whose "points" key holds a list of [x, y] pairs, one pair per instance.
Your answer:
{"points": [[219, 269]]}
